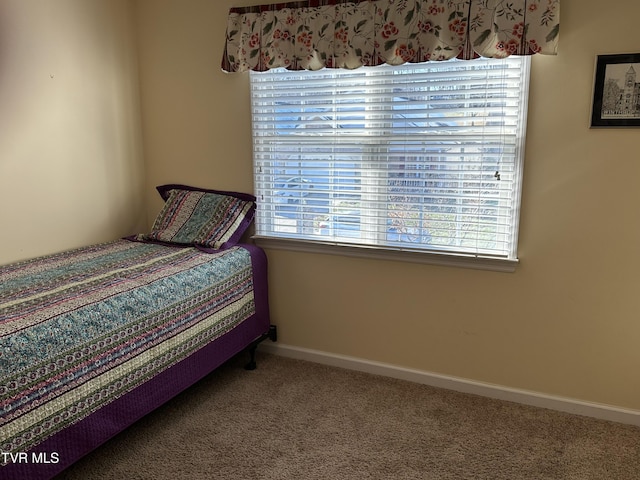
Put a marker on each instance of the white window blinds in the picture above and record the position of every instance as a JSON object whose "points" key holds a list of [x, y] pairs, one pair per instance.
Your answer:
{"points": [[424, 157]]}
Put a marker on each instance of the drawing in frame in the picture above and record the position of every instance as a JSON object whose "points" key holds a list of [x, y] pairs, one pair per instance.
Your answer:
{"points": [[616, 91]]}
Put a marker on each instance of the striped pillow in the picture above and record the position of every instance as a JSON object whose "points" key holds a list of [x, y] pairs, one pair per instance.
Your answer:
{"points": [[206, 218]]}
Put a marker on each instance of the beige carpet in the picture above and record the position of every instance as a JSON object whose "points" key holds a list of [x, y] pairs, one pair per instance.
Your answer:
{"points": [[291, 419]]}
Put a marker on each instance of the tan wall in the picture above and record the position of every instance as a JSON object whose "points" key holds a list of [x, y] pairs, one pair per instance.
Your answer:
{"points": [[565, 323], [71, 165]]}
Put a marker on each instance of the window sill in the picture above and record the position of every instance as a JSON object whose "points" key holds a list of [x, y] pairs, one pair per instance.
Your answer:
{"points": [[429, 258]]}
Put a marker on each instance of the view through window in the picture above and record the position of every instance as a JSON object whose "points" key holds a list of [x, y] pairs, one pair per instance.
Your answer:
{"points": [[425, 157]]}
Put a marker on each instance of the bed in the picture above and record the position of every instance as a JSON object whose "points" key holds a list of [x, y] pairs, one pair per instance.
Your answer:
{"points": [[94, 338]]}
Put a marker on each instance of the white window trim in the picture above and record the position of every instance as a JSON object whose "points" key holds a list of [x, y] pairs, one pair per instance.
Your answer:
{"points": [[446, 259], [437, 257]]}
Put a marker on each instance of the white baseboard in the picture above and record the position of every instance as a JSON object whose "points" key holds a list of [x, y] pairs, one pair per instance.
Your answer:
{"points": [[562, 404]]}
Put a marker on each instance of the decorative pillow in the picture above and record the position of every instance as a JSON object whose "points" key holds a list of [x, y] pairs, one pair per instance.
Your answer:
{"points": [[195, 216]]}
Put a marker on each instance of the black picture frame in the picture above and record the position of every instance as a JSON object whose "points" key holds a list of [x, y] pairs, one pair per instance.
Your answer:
{"points": [[616, 91]]}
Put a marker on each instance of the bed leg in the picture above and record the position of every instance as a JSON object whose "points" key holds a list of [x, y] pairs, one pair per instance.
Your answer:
{"points": [[272, 335], [252, 354]]}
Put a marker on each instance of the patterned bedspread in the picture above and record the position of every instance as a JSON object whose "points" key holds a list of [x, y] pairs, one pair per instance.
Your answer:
{"points": [[81, 328]]}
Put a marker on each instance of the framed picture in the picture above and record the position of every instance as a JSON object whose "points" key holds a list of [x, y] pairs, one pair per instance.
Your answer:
{"points": [[616, 91]]}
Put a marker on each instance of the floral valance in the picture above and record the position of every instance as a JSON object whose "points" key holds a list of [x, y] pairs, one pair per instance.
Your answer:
{"points": [[314, 34]]}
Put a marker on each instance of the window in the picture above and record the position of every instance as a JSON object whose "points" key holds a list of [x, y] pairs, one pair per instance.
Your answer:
{"points": [[421, 158]]}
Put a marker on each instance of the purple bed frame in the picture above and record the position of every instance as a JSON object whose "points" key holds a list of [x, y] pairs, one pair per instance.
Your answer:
{"points": [[64, 448]]}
